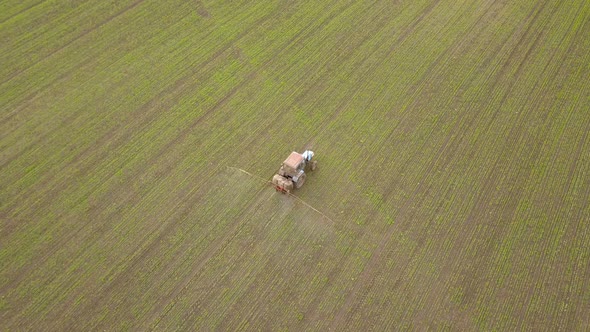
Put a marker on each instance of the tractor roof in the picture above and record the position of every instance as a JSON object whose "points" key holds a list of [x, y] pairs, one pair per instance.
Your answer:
{"points": [[293, 160]]}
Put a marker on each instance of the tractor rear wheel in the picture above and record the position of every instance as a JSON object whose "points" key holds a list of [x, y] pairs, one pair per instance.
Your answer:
{"points": [[300, 181]]}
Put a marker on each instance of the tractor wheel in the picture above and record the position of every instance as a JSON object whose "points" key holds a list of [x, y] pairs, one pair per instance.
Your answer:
{"points": [[300, 181], [314, 165]]}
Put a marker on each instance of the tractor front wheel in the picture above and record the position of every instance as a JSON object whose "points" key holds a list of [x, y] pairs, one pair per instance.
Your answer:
{"points": [[314, 165]]}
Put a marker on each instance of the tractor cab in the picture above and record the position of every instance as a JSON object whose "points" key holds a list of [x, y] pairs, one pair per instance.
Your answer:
{"points": [[294, 164]]}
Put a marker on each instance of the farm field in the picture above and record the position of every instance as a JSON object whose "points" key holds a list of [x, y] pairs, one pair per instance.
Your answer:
{"points": [[452, 187]]}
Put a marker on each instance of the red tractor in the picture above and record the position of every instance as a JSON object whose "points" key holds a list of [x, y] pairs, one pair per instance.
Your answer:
{"points": [[292, 171]]}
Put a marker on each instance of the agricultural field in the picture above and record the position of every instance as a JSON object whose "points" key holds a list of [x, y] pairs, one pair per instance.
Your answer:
{"points": [[137, 138]]}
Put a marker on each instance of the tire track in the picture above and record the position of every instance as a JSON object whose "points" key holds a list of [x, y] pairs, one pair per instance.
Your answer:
{"points": [[522, 176], [573, 45], [22, 11], [179, 84], [340, 108], [176, 85], [74, 235], [313, 86], [63, 77], [218, 246], [74, 69], [67, 44], [312, 309], [329, 19], [162, 151], [151, 243], [571, 230], [527, 54], [439, 159], [374, 257], [250, 77], [407, 31], [215, 107], [529, 21], [5, 233], [68, 239], [223, 101]]}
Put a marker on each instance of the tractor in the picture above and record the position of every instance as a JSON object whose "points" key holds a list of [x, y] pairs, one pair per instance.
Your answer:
{"points": [[292, 171]]}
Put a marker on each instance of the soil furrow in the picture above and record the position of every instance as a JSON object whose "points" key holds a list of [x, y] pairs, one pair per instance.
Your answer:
{"points": [[22, 11], [70, 42]]}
